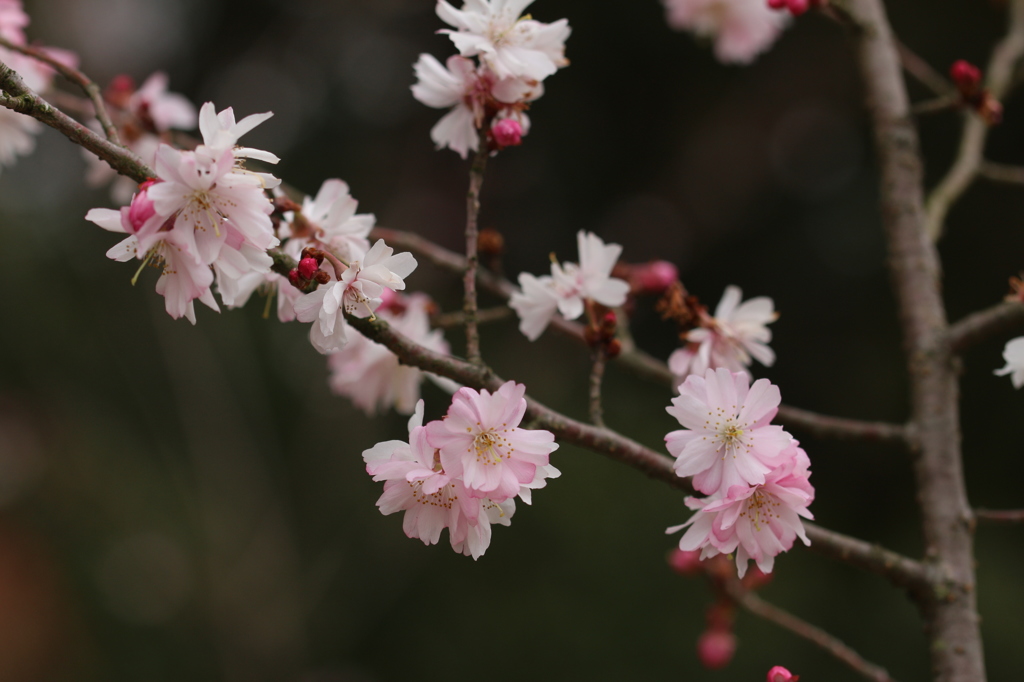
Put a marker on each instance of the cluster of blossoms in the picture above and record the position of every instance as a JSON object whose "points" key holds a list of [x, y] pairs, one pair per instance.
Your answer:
{"points": [[463, 472], [203, 219], [755, 475], [736, 335], [17, 132], [570, 286], [513, 55]]}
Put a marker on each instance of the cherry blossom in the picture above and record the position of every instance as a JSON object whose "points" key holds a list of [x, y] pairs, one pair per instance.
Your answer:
{"points": [[756, 522], [780, 674], [358, 292], [1013, 354], [472, 93], [737, 333], [330, 219], [508, 43], [741, 29], [481, 442], [432, 500], [728, 439], [569, 286], [166, 110], [371, 375]]}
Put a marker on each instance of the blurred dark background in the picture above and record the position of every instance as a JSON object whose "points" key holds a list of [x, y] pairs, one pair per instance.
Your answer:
{"points": [[189, 503]]}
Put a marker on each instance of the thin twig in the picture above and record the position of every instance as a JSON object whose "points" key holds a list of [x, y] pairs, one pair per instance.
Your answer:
{"points": [[935, 105], [596, 376], [999, 74], [923, 71], [1000, 515], [458, 318], [801, 628], [999, 319], [17, 97], [92, 91], [476, 179], [1001, 172], [639, 362], [898, 569]]}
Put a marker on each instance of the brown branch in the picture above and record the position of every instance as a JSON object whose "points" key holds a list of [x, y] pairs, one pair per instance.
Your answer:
{"points": [[91, 90], [596, 376], [999, 319], [813, 634], [1001, 172], [935, 105], [950, 609], [899, 570], [1000, 515], [970, 157], [639, 362], [476, 179], [483, 316], [923, 72], [17, 97]]}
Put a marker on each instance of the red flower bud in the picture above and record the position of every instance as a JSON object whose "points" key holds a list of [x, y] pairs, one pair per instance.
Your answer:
{"points": [[685, 563], [293, 277], [715, 648], [507, 132], [308, 268], [780, 674], [966, 76]]}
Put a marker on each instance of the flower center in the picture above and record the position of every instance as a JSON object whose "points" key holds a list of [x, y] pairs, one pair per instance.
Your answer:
{"points": [[731, 437], [760, 509], [489, 445], [441, 499]]}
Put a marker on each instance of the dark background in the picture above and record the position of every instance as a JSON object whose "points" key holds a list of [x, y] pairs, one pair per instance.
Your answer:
{"points": [[189, 503]]}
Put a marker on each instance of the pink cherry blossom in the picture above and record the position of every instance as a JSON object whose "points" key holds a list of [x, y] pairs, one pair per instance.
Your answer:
{"points": [[728, 439], [1013, 354], [431, 499], [220, 131], [780, 674], [758, 522], [570, 286], [508, 43], [470, 92], [165, 109], [741, 29], [333, 221], [737, 333], [481, 442]]}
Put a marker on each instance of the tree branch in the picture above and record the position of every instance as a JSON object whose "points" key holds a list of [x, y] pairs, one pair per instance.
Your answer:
{"points": [[458, 318], [969, 160], [17, 97], [476, 180], [1000, 515], [91, 90], [1001, 172], [596, 376], [999, 319], [950, 609], [899, 570], [639, 362], [801, 628], [923, 72]]}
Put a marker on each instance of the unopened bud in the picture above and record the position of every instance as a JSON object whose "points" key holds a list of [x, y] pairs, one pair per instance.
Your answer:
{"points": [[966, 76], [608, 323], [990, 110], [490, 242], [684, 562], [612, 348], [283, 204], [322, 277], [141, 209], [293, 277], [119, 91], [755, 579], [798, 7], [507, 132], [780, 674], [715, 648], [654, 277], [777, 4], [312, 252], [307, 268]]}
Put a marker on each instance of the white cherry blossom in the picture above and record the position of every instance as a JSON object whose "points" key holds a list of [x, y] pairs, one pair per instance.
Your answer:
{"points": [[1013, 354]]}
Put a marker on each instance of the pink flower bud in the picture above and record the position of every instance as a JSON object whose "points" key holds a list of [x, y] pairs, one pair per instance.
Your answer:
{"points": [[141, 208], [293, 277], [655, 277], [777, 4], [966, 76], [780, 674], [715, 648], [685, 563], [798, 7], [307, 268], [507, 132]]}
